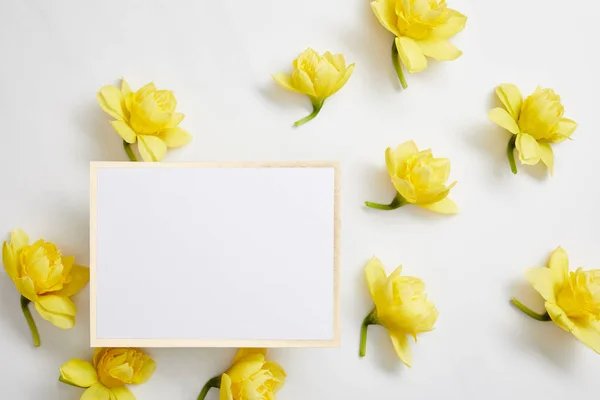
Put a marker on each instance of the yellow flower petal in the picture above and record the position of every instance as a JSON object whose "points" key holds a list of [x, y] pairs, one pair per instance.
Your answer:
{"points": [[337, 60], [342, 81], [405, 189], [175, 137], [122, 393], [245, 352], [385, 12], [511, 98], [18, 239], [444, 206], [501, 117], [589, 334], [26, 287], [225, 391], [124, 130], [245, 367], [528, 149], [175, 120], [375, 274], [453, 25], [559, 317], [59, 311], [559, 265], [285, 81], [151, 148], [9, 260], [547, 156], [125, 89], [80, 276], [411, 54], [439, 49], [326, 77], [541, 279], [145, 372], [96, 392], [122, 372], [565, 129], [79, 373], [278, 374], [111, 100], [402, 347], [301, 81]]}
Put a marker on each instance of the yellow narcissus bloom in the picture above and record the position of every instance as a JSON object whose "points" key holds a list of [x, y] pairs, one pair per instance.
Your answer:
{"points": [[45, 277], [147, 116], [112, 369], [316, 76], [572, 299], [419, 179], [250, 377], [401, 307], [534, 123], [422, 29]]}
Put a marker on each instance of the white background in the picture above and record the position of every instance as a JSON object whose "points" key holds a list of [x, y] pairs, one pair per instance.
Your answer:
{"points": [[217, 57], [193, 252]]}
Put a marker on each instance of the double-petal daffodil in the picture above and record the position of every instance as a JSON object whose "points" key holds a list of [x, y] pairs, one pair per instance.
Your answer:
{"points": [[401, 307], [45, 277], [534, 123], [250, 377], [147, 116], [317, 76], [422, 29], [572, 299], [419, 179], [111, 370]]}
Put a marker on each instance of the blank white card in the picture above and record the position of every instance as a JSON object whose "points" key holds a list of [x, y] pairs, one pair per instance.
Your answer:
{"points": [[214, 255]]}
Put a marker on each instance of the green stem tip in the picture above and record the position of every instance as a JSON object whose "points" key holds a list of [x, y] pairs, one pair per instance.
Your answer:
{"points": [[212, 383], [397, 65], [528, 311], [129, 151], [370, 319], [398, 202], [510, 153], [27, 313], [317, 105]]}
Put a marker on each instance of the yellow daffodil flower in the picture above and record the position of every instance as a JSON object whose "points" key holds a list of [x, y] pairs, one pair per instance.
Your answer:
{"points": [[147, 116], [112, 369], [250, 377], [534, 123], [419, 179], [45, 277], [401, 307], [316, 76], [422, 29], [572, 299]]}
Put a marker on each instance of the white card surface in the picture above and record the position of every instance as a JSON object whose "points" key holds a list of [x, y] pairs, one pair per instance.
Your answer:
{"points": [[203, 255]]}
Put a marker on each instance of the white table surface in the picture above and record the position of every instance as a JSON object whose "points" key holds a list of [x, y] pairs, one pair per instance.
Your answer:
{"points": [[217, 57]]}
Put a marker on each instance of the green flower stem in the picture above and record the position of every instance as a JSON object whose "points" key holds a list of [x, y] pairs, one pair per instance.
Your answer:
{"points": [[212, 383], [34, 332], [528, 311], [510, 152], [129, 151], [370, 319], [317, 105], [398, 202], [397, 65]]}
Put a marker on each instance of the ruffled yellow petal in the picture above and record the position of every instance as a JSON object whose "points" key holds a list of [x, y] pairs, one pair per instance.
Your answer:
{"points": [[342, 81], [405, 189], [402, 347], [245, 367], [541, 279], [285, 81], [337, 60], [528, 149], [444, 206], [145, 373], [502, 118], [124, 130], [245, 352], [564, 129], [9, 260], [411, 54], [80, 276], [151, 148], [18, 239], [453, 25], [111, 100], [559, 265], [59, 311], [225, 391], [385, 12], [511, 98], [79, 373], [175, 120], [301, 81], [326, 77], [121, 393], [439, 49], [175, 137], [96, 392], [278, 374], [547, 156], [26, 287], [122, 372], [375, 274], [395, 158]]}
